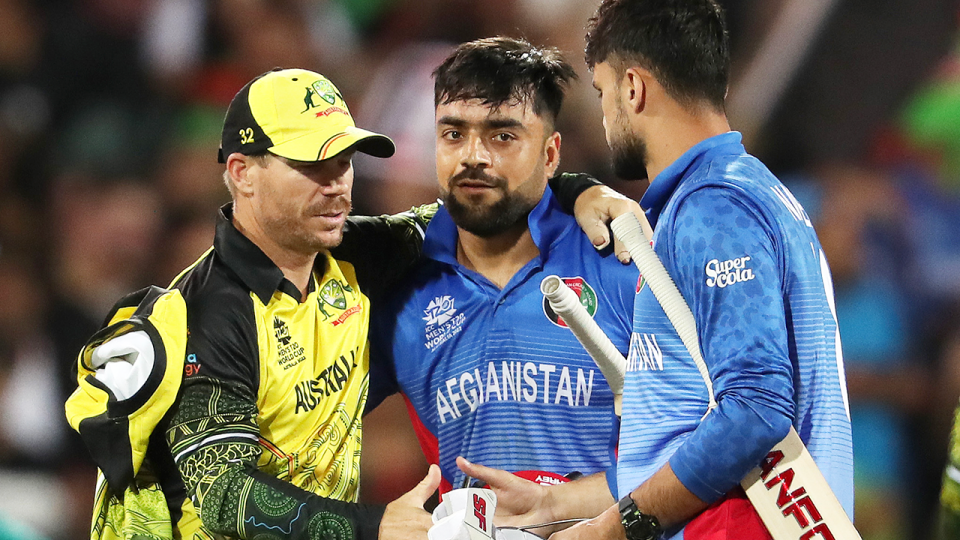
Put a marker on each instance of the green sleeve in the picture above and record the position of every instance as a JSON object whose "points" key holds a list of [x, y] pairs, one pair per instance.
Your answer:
{"points": [[383, 248], [950, 493], [213, 436]]}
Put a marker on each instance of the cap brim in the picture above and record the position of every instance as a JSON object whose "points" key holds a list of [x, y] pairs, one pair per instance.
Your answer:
{"points": [[321, 146]]}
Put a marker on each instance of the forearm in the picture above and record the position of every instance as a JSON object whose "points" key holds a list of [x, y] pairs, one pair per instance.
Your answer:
{"points": [[567, 187], [585, 497], [235, 499], [245, 503], [213, 438], [662, 496]]}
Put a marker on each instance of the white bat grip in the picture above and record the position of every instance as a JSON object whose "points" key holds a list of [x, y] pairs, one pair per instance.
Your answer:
{"points": [[627, 228], [566, 304]]}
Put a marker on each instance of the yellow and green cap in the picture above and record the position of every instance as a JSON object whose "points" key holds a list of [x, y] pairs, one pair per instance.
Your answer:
{"points": [[296, 114]]}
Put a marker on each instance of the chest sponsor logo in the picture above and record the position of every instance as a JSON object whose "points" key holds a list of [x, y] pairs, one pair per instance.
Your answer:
{"points": [[329, 381], [645, 353], [191, 367], [333, 294], [725, 273], [588, 299], [443, 321], [514, 381], [289, 352]]}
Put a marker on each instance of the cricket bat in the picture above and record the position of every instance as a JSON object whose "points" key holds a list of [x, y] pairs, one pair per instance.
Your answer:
{"points": [[788, 490], [567, 305]]}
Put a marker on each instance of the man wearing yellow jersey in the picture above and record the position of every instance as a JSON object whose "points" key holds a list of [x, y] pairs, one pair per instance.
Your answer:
{"points": [[269, 331]]}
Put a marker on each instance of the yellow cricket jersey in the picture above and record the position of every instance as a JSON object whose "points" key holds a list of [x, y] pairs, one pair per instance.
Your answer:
{"points": [[313, 376], [252, 427]]}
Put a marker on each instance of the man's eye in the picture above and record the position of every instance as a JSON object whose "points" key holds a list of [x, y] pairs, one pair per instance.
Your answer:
{"points": [[503, 137], [452, 135]]}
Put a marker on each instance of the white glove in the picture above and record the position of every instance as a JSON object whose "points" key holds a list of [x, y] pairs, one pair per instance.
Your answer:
{"points": [[464, 514], [124, 363], [467, 514]]}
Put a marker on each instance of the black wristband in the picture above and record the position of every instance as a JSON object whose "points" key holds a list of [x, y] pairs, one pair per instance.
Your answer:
{"points": [[567, 187], [636, 524]]}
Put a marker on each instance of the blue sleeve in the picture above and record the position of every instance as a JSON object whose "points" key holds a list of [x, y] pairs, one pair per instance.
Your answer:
{"points": [[383, 374], [726, 261]]}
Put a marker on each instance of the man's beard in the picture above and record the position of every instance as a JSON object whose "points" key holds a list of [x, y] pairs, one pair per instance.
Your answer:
{"points": [[296, 236], [628, 152], [487, 220]]}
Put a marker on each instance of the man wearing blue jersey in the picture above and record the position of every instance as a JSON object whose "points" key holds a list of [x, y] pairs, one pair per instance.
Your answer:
{"points": [[745, 257], [488, 369]]}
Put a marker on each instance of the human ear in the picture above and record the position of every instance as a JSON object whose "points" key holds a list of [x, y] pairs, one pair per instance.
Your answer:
{"points": [[238, 169], [633, 89], [552, 149]]}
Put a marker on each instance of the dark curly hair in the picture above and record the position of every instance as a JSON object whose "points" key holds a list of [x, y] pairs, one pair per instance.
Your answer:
{"points": [[499, 70]]}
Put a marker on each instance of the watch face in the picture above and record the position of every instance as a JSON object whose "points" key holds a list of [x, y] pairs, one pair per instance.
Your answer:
{"points": [[637, 525]]}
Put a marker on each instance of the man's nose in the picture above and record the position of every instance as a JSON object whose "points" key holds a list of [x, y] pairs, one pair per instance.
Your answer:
{"points": [[475, 153]]}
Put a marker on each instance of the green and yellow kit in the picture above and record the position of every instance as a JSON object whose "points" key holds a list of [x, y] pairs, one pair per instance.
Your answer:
{"points": [[251, 419]]}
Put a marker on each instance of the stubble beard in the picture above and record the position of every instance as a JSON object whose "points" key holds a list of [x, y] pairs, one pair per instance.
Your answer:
{"points": [[488, 220], [292, 227], [628, 152]]}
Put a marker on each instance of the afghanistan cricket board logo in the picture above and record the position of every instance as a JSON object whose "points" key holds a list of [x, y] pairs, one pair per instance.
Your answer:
{"points": [[588, 298]]}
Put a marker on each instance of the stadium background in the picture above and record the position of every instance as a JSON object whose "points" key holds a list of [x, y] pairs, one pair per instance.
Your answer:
{"points": [[109, 120]]}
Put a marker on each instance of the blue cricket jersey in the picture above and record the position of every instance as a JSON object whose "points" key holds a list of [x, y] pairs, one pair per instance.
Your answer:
{"points": [[493, 375], [747, 260]]}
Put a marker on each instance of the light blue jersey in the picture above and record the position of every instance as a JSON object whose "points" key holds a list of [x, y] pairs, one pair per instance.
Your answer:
{"points": [[747, 260], [492, 374]]}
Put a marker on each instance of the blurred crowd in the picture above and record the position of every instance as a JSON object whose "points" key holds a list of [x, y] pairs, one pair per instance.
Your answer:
{"points": [[110, 115]]}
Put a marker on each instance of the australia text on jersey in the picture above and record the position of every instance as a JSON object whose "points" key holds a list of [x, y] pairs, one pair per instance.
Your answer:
{"points": [[514, 381]]}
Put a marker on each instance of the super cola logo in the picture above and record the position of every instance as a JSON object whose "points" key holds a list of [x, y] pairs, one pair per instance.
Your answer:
{"points": [[724, 273]]}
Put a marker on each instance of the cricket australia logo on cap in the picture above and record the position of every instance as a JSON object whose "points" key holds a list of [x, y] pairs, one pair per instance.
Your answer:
{"points": [[327, 94], [588, 298], [326, 91], [443, 321]]}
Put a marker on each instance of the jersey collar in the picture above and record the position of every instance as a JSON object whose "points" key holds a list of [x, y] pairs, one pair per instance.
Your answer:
{"points": [[440, 242], [666, 182], [248, 262]]}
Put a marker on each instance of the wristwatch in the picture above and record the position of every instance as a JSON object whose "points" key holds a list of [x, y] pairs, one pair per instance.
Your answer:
{"points": [[639, 526]]}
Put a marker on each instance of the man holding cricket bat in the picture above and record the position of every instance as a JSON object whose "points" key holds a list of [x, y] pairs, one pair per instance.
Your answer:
{"points": [[746, 259]]}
